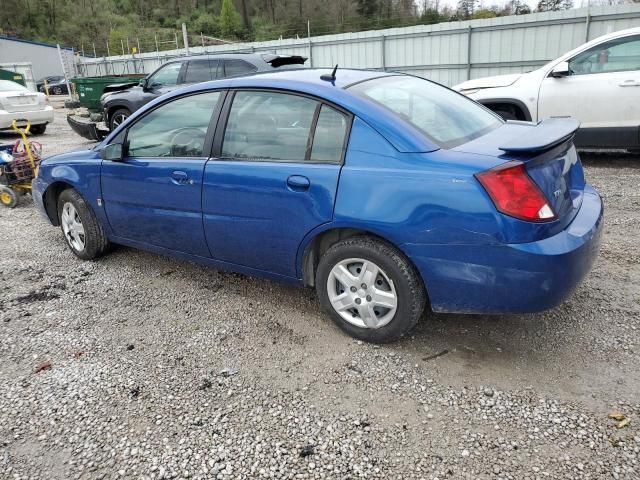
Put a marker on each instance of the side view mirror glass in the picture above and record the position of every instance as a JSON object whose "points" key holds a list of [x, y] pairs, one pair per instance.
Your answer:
{"points": [[561, 70], [112, 152], [143, 83]]}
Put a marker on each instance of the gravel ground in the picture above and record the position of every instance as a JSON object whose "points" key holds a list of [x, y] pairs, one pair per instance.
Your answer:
{"points": [[140, 366]]}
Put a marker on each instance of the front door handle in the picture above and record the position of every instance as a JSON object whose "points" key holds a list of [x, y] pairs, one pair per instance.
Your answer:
{"points": [[298, 182], [629, 83], [181, 178]]}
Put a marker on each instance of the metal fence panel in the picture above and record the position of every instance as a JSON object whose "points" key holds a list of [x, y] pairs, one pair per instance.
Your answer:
{"points": [[448, 53]]}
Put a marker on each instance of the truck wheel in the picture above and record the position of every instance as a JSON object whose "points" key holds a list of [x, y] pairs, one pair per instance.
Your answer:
{"points": [[370, 289], [117, 117], [8, 197], [82, 231]]}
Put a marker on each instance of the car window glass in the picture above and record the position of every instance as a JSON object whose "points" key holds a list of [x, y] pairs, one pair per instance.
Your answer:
{"points": [[268, 125], [238, 67], [619, 55], [328, 139], [201, 71], [446, 117], [166, 76], [175, 129]]}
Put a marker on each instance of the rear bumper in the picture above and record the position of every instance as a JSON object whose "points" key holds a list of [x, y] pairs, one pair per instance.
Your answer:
{"points": [[36, 117], [512, 278]]}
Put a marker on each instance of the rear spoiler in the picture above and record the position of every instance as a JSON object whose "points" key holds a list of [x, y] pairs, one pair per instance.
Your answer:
{"points": [[279, 60], [546, 134]]}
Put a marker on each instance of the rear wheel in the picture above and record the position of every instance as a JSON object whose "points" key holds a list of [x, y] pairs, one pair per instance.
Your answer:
{"points": [[370, 289], [8, 197], [38, 129], [117, 117], [57, 90], [82, 231]]}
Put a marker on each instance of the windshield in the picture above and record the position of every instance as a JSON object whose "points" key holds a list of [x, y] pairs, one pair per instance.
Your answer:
{"points": [[444, 116], [9, 86]]}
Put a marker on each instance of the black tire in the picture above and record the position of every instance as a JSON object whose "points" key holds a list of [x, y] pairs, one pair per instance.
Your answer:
{"points": [[117, 117], [8, 197], [410, 291], [38, 129], [71, 104], [95, 240], [57, 90]]}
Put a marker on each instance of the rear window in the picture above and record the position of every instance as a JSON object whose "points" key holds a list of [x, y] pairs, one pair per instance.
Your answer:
{"points": [[9, 86], [444, 116]]}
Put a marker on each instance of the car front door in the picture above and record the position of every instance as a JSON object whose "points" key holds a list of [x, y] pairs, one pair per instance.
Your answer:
{"points": [[153, 194], [273, 177], [602, 90], [163, 80]]}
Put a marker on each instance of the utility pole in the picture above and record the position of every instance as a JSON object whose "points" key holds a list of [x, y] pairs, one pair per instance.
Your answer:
{"points": [[185, 39]]}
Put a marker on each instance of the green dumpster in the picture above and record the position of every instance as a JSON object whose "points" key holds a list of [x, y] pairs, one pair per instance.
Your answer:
{"points": [[90, 89], [13, 76]]}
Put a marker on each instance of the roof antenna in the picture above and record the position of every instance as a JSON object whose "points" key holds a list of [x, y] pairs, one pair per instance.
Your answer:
{"points": [[330, 78]]}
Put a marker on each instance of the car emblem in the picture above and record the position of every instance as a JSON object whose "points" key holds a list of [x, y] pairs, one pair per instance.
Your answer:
{"points": [[557, 193]]}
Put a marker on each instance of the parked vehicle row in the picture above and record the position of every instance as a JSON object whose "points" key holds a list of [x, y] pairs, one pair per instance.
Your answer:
{"points": [[383, 191], [597, 83]]}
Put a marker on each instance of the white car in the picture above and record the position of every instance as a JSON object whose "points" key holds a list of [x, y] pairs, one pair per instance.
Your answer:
{"points": [[598, 83], [18, 103]]}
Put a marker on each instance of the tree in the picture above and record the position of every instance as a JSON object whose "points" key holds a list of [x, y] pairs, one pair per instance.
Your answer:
{"points": [[466, 8], [229, 20], [554, 5]]}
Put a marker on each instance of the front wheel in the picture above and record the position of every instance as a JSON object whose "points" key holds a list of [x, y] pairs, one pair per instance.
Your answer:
{"points": [[82, 231], [117, 117], [370, 289], [8, 197]]}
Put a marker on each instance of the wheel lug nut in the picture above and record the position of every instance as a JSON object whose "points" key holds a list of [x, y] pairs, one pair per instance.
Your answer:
{"points": [[358, 301], [354, 289], [364, 286], [368, 298]]}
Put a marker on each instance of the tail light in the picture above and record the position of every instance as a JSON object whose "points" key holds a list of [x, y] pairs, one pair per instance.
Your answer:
{"points": [[514, 193]]}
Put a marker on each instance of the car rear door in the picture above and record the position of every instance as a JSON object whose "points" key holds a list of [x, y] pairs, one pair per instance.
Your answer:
{"points": [[153, 194], [602, 92], [201, 70], [273, 177]]}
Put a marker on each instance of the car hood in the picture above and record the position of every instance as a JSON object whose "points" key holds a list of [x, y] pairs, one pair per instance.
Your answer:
{"points": [[489, 82]]}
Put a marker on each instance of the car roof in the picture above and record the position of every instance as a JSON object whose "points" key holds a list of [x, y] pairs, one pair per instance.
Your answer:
{"points": [[238, 55], [401, 134]]}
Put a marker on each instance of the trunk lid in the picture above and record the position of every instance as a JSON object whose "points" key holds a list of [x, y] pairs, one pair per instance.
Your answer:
{"points": [[550, 158], [23, 102]]}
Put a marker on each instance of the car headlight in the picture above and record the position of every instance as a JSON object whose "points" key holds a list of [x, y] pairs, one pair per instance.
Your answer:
{"points": [[104, 96]]}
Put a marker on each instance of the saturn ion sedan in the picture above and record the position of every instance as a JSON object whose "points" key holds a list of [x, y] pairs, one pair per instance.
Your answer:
{"points": [[385, 192]]}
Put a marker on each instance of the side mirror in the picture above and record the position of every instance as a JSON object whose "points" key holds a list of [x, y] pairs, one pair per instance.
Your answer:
{"points": [[112, 152], [561, 70], [144, 84]]}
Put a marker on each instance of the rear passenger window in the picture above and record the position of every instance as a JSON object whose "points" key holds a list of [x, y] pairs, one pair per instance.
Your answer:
{"points": [[234, 68], [201, 71], [269, 126], [329, 137]]}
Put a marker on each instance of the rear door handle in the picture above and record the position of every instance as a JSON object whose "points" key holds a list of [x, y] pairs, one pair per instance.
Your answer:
{"points": [[629, 83], [181, 178], [298, 182]]}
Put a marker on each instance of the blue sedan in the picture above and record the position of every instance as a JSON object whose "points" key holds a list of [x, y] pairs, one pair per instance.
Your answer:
{"points": [[386, 192]]}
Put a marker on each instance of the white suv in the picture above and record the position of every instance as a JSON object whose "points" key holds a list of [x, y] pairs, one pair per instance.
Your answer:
{"points": [[598, 83]]}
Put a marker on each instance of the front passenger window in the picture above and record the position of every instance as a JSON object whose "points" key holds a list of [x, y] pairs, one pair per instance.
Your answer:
{"points": [[176, 129], [619, 55]]}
